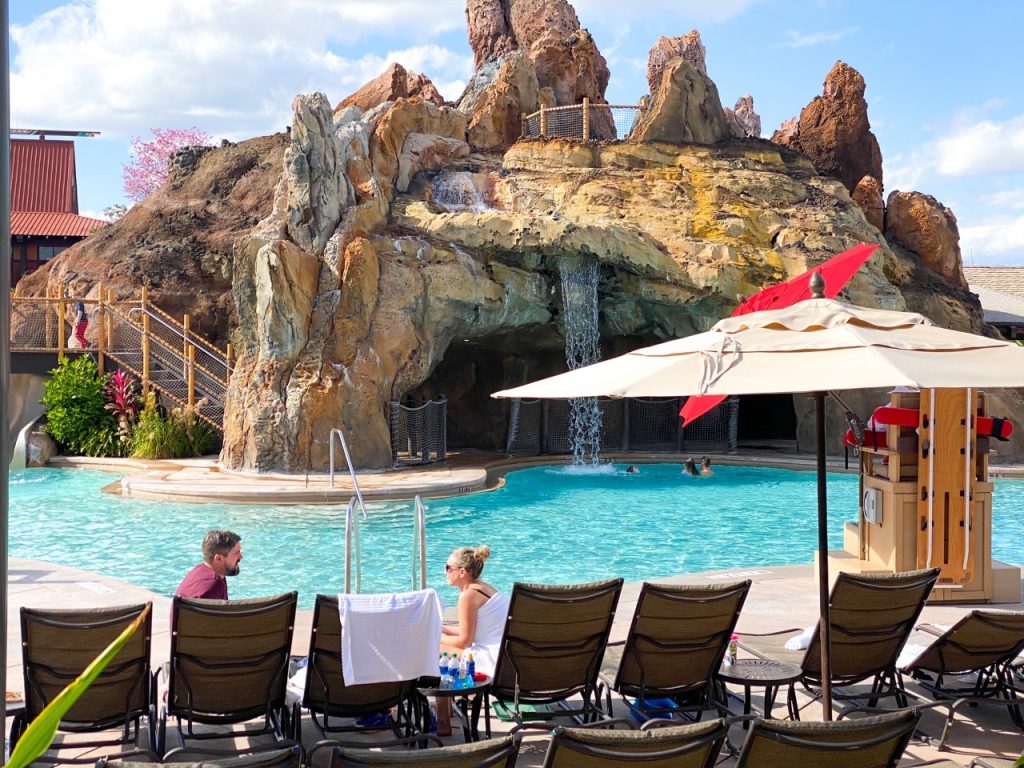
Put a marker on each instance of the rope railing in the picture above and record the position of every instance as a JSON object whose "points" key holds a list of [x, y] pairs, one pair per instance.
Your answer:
{"points": [[605, 122]]}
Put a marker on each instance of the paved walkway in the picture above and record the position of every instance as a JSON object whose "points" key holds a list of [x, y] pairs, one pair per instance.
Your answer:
{"points": [[780, 597]]}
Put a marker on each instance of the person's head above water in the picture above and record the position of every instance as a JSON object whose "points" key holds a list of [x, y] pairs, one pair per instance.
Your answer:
{"points": [[632, 469], [690, 467], [222, 551], [468, 559]]}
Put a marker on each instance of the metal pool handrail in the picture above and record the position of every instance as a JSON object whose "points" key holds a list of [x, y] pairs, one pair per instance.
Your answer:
{"points": [[419, 544], [352, 542], [351, 469]]}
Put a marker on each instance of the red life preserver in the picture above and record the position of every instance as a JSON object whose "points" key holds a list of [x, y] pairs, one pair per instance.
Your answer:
{"points": [[887, 415]]}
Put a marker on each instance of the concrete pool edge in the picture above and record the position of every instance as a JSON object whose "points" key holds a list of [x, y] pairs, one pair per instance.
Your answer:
{"points": [[205, 480]]}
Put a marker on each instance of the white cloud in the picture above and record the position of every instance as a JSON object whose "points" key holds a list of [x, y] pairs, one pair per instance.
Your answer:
{"points": [[803, 40], [984, 147], [231, 67], [1012, 199], [693, 12], [994, 242]]}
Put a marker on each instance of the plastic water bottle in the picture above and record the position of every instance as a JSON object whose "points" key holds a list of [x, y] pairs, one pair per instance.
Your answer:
{"points": [[470, 671], [446, 675], [453, 671], [731, 650]]}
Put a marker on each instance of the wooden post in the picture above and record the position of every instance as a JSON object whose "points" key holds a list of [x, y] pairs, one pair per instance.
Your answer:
{"points": [[543, 121], [47, 330], [186, 322], [101, 335], [228, 354], [586, 118], [191, 377], [522, 124], [61, 331], [145, 341]]}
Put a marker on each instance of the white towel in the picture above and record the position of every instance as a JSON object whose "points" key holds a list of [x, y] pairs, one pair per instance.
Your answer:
{"points": [[909, 653], [389, 637], [801, 641]]}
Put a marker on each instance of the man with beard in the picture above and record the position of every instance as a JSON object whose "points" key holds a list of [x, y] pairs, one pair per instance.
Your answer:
{"points": [[222, 554]]}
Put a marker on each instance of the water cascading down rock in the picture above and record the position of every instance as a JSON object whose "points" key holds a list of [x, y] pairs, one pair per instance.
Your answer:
{"points": [[579, 315]]}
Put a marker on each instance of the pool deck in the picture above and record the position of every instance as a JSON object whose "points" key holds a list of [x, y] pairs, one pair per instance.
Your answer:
{"points": [[780, 597], [206, 480]]}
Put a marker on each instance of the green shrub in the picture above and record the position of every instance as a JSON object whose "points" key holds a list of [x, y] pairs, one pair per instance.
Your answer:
{"points": [[75, 412], [179, 435]]}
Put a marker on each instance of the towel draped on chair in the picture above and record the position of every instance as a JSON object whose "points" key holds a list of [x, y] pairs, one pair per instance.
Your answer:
{"points": [[389, 637]]}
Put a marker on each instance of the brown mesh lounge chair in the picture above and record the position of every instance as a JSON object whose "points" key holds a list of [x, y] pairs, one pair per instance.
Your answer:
{"points": [[490, 753], [229, 665], [555, 637], [326, 696], [683, 746], [57, 646], [870, 742], [983, 645], [279, 757], [675, 645], [871, 616]]}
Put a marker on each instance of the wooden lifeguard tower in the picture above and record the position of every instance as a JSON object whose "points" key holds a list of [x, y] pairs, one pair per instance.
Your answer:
{"points": [[926, 499]]}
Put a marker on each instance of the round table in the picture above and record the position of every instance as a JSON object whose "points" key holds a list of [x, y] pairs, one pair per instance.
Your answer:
{"points": [[763, 672], [467, 702]]}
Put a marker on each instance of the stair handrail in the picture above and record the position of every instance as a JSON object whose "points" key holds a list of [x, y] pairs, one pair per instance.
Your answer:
{"points": [[352, 543], [419, 544], [218, 357], [348, 460], [187, 333]]}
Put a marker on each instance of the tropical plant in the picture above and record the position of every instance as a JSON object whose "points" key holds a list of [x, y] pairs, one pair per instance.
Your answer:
{"points": [[40, 732], [148, 171], [178, 435], [74, 400], [122, 401]]}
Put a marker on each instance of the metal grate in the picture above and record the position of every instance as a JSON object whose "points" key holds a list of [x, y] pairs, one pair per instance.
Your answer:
{"points": [[606, 122]]}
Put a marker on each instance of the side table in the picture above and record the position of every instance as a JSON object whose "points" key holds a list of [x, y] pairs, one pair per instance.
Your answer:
{"points": [[763, 672], [467, 702]]}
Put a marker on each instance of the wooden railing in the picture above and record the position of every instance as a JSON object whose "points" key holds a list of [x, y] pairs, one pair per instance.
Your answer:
{"points": [[166, 355], [607, 122]]}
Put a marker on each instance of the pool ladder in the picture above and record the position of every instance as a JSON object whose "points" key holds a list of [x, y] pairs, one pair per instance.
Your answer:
{"points": [[353, 547], [351, 469]]}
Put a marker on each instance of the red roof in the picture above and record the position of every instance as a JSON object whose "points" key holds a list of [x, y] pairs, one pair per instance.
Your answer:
{"points": [[43, 176], [42, 224]]}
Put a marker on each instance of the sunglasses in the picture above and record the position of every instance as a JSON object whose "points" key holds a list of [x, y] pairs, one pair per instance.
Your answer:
{"points": [[450, 568]]}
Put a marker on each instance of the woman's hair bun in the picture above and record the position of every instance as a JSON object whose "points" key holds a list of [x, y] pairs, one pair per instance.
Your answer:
{"points": [[482, 552]]}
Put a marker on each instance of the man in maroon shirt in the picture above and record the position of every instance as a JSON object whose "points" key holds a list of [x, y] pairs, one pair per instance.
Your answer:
{"points": [[222, 554]]}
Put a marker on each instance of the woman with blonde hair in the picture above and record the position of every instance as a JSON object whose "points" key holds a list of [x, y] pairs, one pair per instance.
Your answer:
{"points": [[482, 613]]}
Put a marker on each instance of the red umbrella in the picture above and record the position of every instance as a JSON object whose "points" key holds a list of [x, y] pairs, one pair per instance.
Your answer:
{"points": [[837, 272]]}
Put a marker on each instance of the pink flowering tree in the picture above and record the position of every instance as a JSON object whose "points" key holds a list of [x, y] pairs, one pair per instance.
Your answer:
{"points": [[147, 172]]}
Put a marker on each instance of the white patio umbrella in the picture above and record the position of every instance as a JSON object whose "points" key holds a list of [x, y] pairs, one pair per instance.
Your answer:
{"points": [[813, 346]]}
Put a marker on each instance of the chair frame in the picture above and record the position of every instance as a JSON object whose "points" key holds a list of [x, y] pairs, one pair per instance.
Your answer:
{"points": [[710, 694], [405, 698], [885, 678], [555, 595], [761, 729], [277, 720], [506, 756], [129, 718], [562, 740]]}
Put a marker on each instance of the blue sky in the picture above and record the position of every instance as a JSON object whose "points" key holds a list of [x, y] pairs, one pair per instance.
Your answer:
{"points": [[943, 76]]}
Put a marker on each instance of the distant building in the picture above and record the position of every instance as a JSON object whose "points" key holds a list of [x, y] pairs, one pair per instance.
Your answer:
{"points": [[1001, 291], [44, 202]]}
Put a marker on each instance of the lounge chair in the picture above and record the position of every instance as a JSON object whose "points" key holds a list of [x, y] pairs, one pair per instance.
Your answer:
{"points": [[983, 644], [683, 746], [491, 753], [870, 742], [675, 645], [871, 616], [327, 696], [554, 639], [57, 645], [229, 665], [280, 757]]}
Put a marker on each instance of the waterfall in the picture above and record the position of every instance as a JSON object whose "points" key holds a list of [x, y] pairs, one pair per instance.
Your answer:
{"points": [[458, 191], [579, 313]]}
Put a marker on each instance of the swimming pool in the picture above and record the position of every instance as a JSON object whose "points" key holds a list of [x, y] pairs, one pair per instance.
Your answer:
{"points": [[546, 524]]}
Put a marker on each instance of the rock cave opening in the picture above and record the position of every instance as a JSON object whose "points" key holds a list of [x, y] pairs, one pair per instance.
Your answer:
{"points": [[767, 421]]}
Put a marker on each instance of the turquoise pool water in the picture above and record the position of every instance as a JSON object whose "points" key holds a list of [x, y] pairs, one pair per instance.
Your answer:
{"points": [[547, 525]]}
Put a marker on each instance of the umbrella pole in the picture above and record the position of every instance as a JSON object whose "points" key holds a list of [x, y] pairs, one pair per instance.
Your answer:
{"points": [[824, 635]]}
